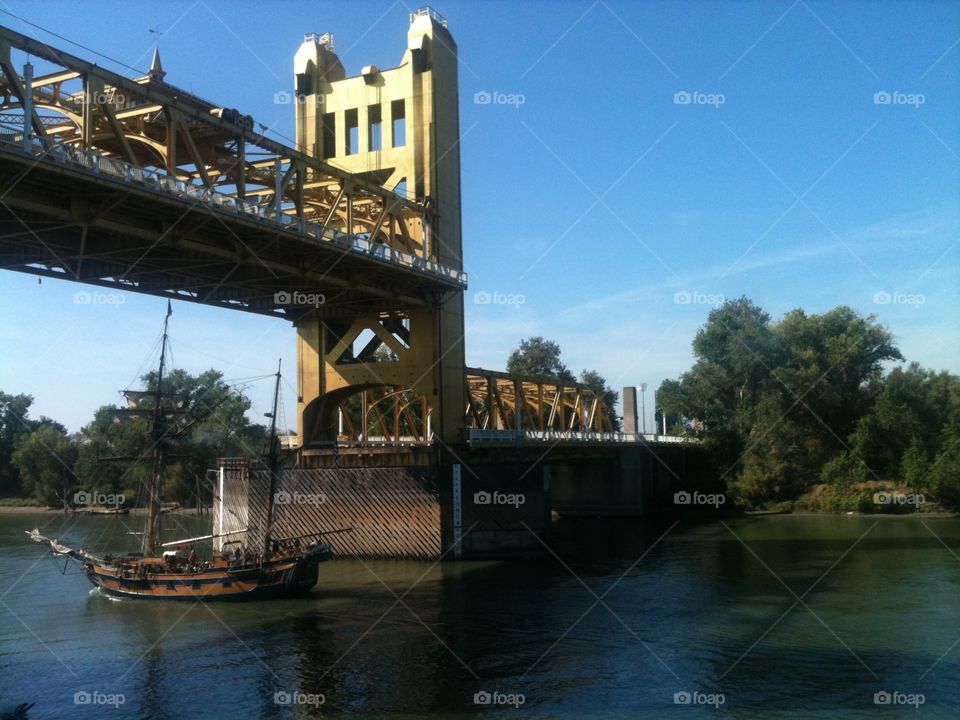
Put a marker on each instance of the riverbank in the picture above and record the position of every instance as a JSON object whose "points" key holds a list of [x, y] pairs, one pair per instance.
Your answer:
{"points": [[36, 509], [875, 497], [938, 514]]}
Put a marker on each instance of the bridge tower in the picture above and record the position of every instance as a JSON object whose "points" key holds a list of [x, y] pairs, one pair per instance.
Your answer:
{"points": [[399, 128]]}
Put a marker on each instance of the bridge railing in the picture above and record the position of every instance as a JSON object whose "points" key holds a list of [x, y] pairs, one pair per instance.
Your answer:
{"points": [[162, 183], [492, 437]]}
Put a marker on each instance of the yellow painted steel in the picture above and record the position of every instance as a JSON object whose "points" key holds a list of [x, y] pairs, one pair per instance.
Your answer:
{"points": [[398, 127]]}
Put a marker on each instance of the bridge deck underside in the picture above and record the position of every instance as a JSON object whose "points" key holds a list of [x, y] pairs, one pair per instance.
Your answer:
{"points": [[61, 223]]}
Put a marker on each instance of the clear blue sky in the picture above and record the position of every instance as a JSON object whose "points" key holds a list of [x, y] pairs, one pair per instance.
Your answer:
{"points": [[598, 199]]}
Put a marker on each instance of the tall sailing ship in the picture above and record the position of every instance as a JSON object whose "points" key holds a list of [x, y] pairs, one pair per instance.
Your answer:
{"points": [[277, 567]]}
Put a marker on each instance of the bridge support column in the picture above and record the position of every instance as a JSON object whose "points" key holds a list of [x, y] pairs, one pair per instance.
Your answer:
{"points": [[401, 351], [504, 507], [619, 484], [630, 424], [401, 128]]}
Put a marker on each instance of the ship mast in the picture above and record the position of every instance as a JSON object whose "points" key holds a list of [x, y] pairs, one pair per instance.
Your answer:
{"points": [[272, 463], [152, 536]]}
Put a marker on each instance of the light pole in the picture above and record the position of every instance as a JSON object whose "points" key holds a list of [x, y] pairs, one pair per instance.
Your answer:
{"points": [[643, 407]]}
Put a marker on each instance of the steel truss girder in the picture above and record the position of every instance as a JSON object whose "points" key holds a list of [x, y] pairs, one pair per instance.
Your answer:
{"points": [[387, 415], [495, 401], [500, 401], [155, 124]]}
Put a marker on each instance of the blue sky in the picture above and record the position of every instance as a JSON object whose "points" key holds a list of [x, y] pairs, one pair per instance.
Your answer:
{"points": [[614, 212]]}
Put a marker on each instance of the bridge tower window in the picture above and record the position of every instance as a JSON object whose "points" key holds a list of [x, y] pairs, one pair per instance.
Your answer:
{"points": [[304, 85], [375, 138], [352, 135], [399, 118], [329, 141]]}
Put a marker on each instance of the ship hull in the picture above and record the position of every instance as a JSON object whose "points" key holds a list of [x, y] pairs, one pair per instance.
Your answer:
{"points": [[281, 579]]}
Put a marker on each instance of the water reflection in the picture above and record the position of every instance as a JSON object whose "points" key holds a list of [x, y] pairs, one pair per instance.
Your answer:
{"points": [[687, 607]]}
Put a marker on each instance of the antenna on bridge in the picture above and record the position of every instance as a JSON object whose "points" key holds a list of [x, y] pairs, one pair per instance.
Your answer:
{"points": [[325, 39]]}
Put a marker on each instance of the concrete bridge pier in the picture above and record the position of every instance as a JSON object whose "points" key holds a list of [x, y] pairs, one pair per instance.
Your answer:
{"points": [[469, 503], [631, 483], [501, 503], [495, 509]]}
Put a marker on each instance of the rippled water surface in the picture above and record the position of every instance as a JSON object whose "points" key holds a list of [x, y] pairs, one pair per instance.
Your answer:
{"points": [[784, 617]]}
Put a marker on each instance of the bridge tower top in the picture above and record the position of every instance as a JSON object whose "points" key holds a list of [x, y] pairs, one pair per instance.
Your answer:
{"points": [[399, 127]]}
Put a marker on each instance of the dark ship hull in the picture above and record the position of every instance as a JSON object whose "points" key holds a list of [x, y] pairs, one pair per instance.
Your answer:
{"points": [[277, 578]]}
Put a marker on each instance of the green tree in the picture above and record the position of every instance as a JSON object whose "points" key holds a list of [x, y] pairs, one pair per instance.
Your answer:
{"points": [[596, 382], [943, 473], [776, 403], [911, 407], [717, 399], [739, 347], [222, 429], [14, 424], [915, 464], [537, 357], [116, 450], [215, 426], [671, 402], [943, 477], [844, 470], [114, 455], [829, 364], [44, 459], [820, 386]]}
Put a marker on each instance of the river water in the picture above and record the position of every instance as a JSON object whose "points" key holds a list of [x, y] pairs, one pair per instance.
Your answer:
{"points": [[773, 617]]}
